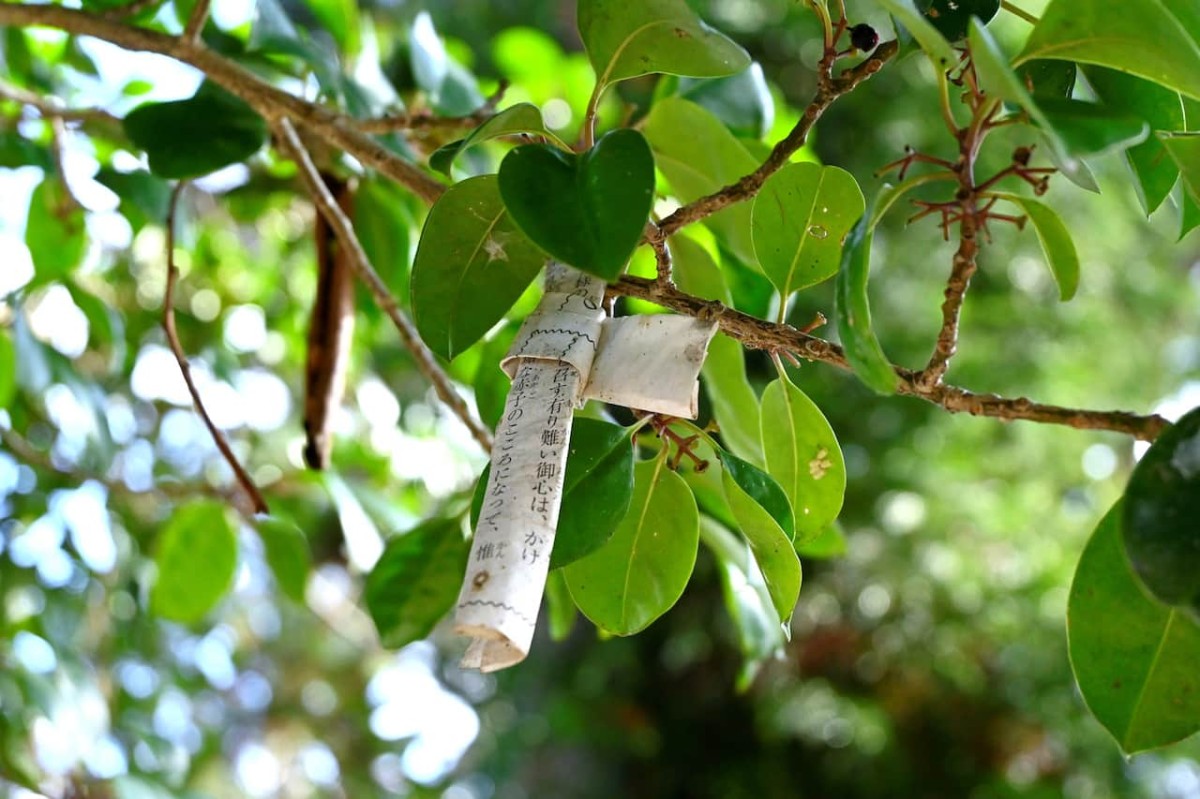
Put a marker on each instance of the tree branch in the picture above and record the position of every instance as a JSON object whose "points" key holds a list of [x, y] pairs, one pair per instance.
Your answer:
{"points": [[50, 109], [327, 206], [195, 23], [759, 334], [829, 89], [270, 102], [256, 499]]}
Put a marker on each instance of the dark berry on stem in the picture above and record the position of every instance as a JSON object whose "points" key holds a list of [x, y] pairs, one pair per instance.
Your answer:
{"points": [[864, 37]]}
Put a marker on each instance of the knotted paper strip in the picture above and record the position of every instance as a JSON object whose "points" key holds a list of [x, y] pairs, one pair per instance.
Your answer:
{"points": [[565, 353]]}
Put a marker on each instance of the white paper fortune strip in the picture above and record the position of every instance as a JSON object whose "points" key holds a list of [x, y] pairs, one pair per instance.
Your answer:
{"points": [[565, 353]]}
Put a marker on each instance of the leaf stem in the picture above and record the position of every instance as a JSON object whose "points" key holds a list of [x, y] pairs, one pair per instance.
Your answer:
{"points": [[1017, 11]]}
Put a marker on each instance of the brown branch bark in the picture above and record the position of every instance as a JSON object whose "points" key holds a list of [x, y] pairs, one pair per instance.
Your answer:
{"points": [[829, 89], [961, 272], [759, 334], [195, 23], [425, 360], [256, 499], [267, 100]]}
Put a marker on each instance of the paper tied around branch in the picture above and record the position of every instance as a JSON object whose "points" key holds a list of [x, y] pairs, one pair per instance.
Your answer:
{"points": [[566, 353]]}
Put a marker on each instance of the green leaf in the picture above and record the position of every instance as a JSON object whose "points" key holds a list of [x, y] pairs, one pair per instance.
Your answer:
{"points": [[951, 17], [430, 61], [8, 371], [624, 40], [1156, 173], [829, 543], [1048, 78], [416, 580], [760, 508], [799, 220], [1161, 518], [196, 559], [854, 310], [597, 489], [734, 403], [490, 383], [1135, 659], [928, 36], [340, 18], [471, 266], [1055, 240], [1140, 38], [802, 453], [1184, 149], [642, 570], [54, 232], [586, 210], [1189, 216], [742, 101], [698, 155], [562, 614], [759, 630], [287, 554], [382, 222], [189, 138], [888, 195], [1091, 129], [144, 197], [17, 151], [520, 118]]}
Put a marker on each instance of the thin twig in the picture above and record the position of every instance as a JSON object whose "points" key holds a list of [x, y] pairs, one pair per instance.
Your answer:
{"points": [[425, 360], [662, 260], [1017, 11], [829, 89], [424, 121], [760, 334], [49, 109], [256, 499], [195, 23]]}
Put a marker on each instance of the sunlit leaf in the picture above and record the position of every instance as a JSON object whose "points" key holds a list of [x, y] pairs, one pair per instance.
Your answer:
{"points": [[698, 155], [1056, 243], [641, 572], [54, 232], [799, 220], [416, 580], [195, 560], [1134, 658], [1141, 38], [287, 554], [764, 518], [829, 543], [624, 40], [471, 266], [8, 371], [520, 118], [587, 210], [803, 455], [863, 350], [1184, 149]]}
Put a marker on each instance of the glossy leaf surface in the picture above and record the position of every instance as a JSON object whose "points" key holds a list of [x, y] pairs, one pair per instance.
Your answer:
{"points": [[520, 118], [854, 312]]}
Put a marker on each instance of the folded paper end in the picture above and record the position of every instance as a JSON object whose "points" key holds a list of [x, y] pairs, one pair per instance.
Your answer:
{"points": [[489, 650]]}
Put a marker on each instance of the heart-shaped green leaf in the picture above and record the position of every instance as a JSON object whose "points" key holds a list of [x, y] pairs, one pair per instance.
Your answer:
{"points": [[520, 118], [799, 220], [698, 155], [1156, 173], [642, 570], [1134, 658], [765, 519], [189, 138], [624, 40], [1056, 243], [415, 582], [586, 210], [196, 558], [802, 453], [1162, 515], [1142, 38], [471, 266], [854, 310]]}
